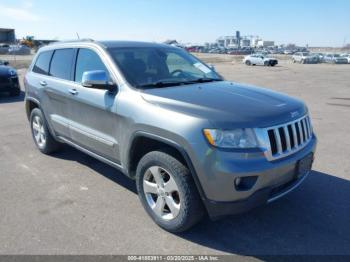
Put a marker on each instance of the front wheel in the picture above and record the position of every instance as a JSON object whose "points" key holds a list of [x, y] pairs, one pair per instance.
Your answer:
{"points": [[167, 192], [248, 63]]}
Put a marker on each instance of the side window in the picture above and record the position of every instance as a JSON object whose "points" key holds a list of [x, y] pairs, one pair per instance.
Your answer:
{"points": [[42, 64], [61, 64], [87, 60]]}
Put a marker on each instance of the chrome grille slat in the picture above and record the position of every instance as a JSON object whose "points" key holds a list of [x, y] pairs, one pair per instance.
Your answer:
{"points": [[285, 139], [286, 133], [301, 133], [278, 141], [294, 136], [308, 127]]}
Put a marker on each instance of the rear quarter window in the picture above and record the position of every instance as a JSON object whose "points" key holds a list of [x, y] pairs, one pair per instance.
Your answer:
{"points": [[61, 63], [42, 64]]}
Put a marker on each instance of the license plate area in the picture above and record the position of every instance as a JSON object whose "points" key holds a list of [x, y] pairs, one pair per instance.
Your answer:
{"points": [[304, 166]]}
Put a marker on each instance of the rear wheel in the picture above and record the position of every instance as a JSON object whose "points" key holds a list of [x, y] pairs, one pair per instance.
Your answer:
{"points": [[167, 192], [266, 63], [40, 132]]}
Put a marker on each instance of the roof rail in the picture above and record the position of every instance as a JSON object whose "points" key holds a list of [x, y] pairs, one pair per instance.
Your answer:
{"points": [[74, 40]]}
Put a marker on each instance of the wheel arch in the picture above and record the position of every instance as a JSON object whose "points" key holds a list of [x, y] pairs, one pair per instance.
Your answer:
{"points": [[150, 142], [30, 104]]}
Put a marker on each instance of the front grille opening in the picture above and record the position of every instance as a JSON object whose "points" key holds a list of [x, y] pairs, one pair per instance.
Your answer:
{"points": [[272, 142], [283, 138], [291, 138], [298, 133]]}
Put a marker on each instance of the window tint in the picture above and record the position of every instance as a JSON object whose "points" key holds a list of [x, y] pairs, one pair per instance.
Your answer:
{"points": [[87, 60], [61, 64], [42, 63]]}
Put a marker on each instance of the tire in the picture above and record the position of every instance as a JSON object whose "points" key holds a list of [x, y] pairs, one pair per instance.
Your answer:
{"points": [[15, 92], [294, 61], [185, 197], [248, 63], [266, 63], [41, 134]]}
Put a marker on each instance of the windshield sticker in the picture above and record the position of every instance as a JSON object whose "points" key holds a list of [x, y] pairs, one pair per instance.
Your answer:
{"points": [[202, 67]]}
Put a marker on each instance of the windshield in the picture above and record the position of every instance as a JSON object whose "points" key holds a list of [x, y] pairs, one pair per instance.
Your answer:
{"points": [[305, 54], [159, 66], [336, 55]]}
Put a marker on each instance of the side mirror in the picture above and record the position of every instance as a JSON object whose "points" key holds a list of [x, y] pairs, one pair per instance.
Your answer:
{"points": [[6, 63], [97, 79]]}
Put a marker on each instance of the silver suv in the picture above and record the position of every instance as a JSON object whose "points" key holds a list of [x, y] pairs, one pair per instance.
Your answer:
{"points": [[194, 143]]}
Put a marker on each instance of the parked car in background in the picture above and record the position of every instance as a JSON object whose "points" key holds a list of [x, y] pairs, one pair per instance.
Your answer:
{"points": [[19, 50], [289, 52], [305, 58], [4, 63], [335, 59], [347, 56], [319, 56], [259, 59], [9, 79], [4, 48]]}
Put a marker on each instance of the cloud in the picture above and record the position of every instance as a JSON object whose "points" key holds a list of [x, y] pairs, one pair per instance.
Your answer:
{"points": [[19, 13]]}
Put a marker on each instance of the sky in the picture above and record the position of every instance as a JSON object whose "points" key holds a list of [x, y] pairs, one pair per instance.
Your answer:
{"points": [[308, 22]]}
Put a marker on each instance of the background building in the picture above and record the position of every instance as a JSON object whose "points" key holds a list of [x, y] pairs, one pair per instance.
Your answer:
{"points": [[7, 35], [263, 43]]}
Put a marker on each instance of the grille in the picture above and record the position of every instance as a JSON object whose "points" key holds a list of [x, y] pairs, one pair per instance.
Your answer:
{"points": [[288, 138]]}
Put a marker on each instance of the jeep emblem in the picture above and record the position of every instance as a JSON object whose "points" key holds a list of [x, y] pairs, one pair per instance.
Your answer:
{"points": [[294, 114]]}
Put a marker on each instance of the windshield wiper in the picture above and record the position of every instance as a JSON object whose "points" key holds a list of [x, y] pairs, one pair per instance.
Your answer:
{"points": [[161, 84], [205, 80]]}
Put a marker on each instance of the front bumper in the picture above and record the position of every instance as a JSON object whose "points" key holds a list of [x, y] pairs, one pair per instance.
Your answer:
{"points": [[263, 196], [272, 179], [9, 84]]}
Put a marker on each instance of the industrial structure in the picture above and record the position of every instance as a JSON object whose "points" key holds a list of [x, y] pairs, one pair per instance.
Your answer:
{"points": [[238, 41], [7, 35]]}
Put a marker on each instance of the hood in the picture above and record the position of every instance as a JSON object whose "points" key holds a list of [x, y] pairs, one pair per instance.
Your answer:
{"points": [[227, 104]]}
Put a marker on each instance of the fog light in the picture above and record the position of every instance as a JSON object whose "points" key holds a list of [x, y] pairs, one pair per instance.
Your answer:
{"points": [[238, 181], [245, 183]]}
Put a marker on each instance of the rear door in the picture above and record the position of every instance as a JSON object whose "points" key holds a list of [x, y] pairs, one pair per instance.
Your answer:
{"points": [[93, 121], [57, 86]]}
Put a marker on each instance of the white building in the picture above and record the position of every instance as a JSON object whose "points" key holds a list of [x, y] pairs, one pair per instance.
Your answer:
{"points": [[264, 43]]}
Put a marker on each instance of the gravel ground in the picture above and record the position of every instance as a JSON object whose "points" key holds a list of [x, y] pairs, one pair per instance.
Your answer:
{"points": [[70, 203]]}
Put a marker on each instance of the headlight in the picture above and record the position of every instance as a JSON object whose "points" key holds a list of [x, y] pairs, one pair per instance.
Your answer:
{"points": [[236, 138], [12, 72]]}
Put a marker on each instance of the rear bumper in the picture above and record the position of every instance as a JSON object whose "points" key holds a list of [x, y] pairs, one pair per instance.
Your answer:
{"points": [[264, 196]]}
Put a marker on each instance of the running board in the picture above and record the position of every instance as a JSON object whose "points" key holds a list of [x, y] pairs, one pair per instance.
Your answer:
{"points": [[92, 154]]}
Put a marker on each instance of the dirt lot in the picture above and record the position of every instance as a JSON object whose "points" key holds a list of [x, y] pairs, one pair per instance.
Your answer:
{"points": [[70, 203]]}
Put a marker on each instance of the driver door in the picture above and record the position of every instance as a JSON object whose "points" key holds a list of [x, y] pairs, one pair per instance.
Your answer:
{"points": [[93, 119]]}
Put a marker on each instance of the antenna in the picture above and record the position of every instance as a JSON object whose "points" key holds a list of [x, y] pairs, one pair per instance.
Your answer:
{"points": [[78, 35]]}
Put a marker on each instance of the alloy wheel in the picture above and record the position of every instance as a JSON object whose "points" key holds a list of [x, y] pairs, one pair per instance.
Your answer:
{"points": [[39, 131], [161, 192]]}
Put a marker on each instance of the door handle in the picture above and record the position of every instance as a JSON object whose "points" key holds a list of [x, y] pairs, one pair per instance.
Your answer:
{"points": [[73, 91], [43, 83]]}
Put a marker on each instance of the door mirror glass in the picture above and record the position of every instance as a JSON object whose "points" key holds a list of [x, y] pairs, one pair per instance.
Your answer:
{"points": [[6, 63], [96, 79]]}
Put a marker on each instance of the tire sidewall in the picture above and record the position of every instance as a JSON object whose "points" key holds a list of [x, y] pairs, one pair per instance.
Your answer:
{"points": [[145, 164], [37, 112]]}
